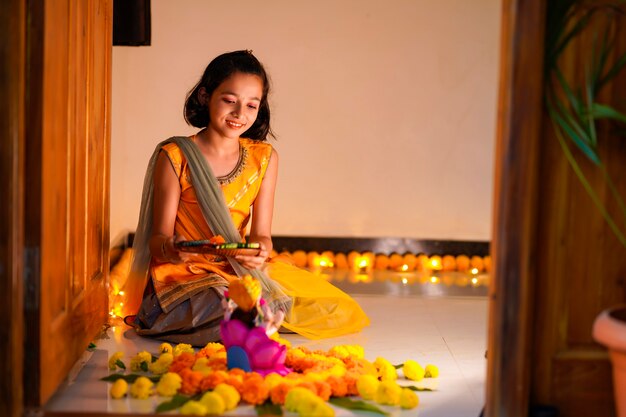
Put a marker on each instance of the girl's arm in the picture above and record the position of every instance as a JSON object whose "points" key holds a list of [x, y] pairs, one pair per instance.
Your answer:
{"points": [[165, 205], [262, 211]]}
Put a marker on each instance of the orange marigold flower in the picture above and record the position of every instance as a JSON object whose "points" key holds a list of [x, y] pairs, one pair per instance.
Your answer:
{"points": [[350, 381], [279, 392], [210, 350], [254, 391], [212, 380], [252, 375], [337, 386], [182, 361], [236, 372], [308, 385], [191, 381], [236, 381], [324, 390]]}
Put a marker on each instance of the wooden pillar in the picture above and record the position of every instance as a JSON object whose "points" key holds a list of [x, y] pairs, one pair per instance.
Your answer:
{"points": [[515, 213]]}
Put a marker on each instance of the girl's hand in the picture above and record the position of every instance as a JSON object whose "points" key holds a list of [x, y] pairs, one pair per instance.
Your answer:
{"points": [[169, 253], [256, 261]]}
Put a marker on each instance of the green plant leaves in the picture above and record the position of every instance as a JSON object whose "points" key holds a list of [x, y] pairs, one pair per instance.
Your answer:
{"points": [[268, 409], [177, 401], [350, 404], [130, 378], [120, 364], [414, 388], [602, 111]]}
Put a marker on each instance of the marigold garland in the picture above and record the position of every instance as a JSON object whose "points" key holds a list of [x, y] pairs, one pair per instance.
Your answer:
{"points": [[316, 377]]}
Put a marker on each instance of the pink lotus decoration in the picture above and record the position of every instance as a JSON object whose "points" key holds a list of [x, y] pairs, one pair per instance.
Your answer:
{"points": [[252, 346]]}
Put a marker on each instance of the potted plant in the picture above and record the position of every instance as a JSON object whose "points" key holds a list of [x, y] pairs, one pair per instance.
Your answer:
{"points": [[576, 112]]}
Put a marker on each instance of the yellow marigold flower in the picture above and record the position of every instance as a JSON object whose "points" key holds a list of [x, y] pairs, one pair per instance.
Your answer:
{"points": [[212, 347], [322, 409], [431, 371], [413, 370], [315, 407], [298, 396], [387, 372], [138, 359], [119, 388], [213, 403], [388, 392], [339, 350], [165, 348], [229, 395], [169, 384], [408, 398], [195, 408], [183, 347], [272, 380], [337, 370], [141, 388], [202, 366], [162, 364], [297, 353], [117, 356], [314, 376], [219, 355], [367, 385], [356, 350]]}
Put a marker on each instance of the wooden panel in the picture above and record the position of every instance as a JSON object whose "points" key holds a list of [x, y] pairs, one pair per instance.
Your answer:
{"points": [[514, 231], [581, 265], [74, 185], [12, 86]]}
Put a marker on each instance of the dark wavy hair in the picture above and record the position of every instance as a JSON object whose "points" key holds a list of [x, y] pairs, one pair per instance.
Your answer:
{"points": [[196, 114]]}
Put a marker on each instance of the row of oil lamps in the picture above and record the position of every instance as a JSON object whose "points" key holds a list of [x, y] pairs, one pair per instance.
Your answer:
{"points": [[409, 262]]}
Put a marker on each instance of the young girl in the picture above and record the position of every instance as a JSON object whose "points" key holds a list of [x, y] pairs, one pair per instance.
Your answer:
{"points": [[218, 182]]}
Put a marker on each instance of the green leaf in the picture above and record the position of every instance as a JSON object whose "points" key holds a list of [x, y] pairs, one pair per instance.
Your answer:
{"points": [[603, 111], [154, 358], [572, 133], [130, 378], [398, 366], [414, 388], [566, 38], [571, 97], [591, 123], [617, 67], [177, 401], [120, 364], [268, 409], [350, 404], [91, 346], [144, 366]]}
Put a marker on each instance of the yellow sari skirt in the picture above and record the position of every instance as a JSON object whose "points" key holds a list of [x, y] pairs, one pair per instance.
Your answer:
{"points": [[320, 309]]}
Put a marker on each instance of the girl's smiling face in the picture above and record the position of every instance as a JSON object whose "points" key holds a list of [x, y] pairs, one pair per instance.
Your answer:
{"points": [[234, 105]]}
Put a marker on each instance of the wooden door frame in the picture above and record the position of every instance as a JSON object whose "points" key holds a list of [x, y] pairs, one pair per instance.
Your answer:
{"points": [[519, 130], [518, 133], [12, 117]]}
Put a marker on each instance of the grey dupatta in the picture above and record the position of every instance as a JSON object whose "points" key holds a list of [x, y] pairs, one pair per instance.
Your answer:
{"points": [[215, 212]]}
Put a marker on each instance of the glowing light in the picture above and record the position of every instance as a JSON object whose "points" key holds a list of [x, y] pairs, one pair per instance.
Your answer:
{"points": [[474, 281], [405, 281], [121, 292], [405, 267], [323, 261], [434, 280], [435, 262], [474, 271], [361, 264]]}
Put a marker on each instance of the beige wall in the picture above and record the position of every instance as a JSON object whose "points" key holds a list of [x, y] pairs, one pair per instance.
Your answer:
{"points": [[385, 110]]}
